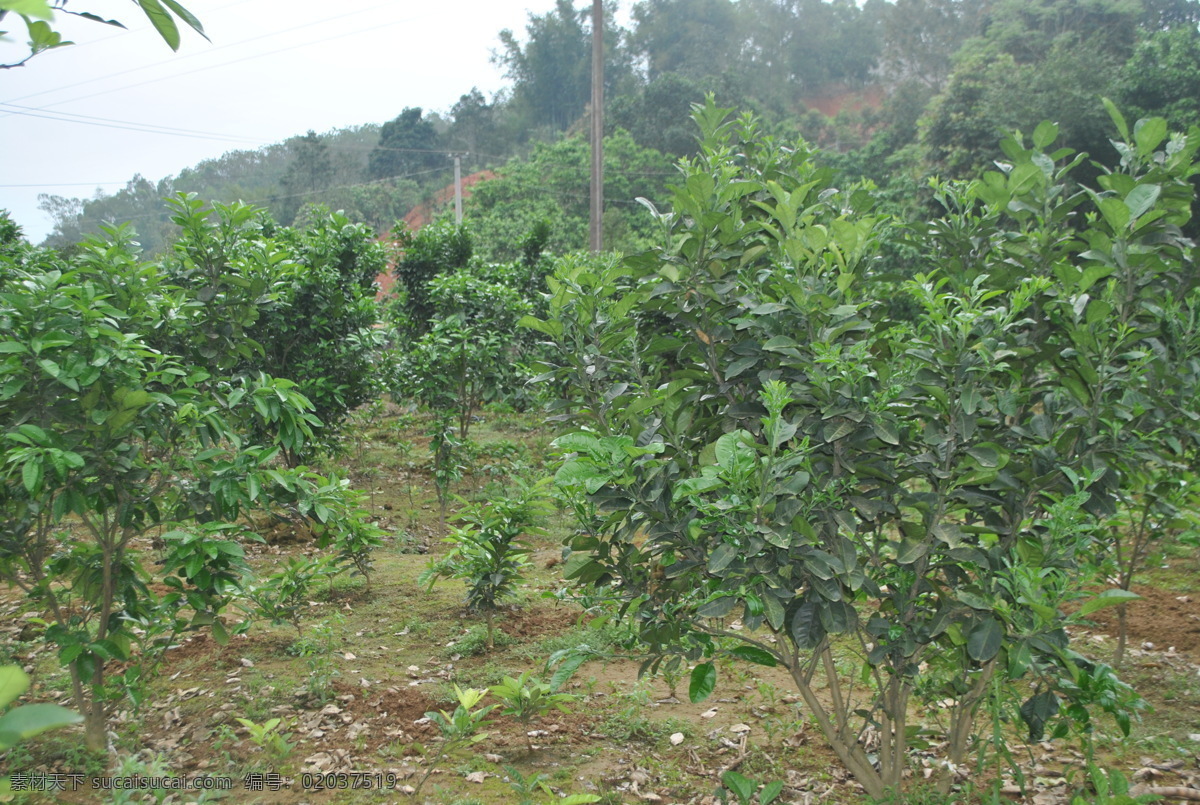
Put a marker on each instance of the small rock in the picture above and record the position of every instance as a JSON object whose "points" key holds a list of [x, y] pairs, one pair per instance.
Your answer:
{"points": [[709, 713], [350, 656], [247, 662], [476, 777], [740, 728], [676, 739]]}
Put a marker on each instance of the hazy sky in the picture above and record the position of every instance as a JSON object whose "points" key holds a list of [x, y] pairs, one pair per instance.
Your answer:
{"points": [[120, 102]]}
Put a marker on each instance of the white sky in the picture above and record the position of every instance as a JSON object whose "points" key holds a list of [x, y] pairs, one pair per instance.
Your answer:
{"points": [[274, 69]]}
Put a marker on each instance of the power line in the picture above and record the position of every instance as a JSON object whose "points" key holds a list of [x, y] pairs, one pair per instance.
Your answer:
{"points": [[64, 184], [177, 59], [224, 64], [146, 128]]}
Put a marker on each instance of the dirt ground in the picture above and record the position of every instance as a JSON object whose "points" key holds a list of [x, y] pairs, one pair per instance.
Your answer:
{"points": [[351, 691]]}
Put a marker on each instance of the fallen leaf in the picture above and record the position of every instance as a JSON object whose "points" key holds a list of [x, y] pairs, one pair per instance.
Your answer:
{"points": [[476, 777]]}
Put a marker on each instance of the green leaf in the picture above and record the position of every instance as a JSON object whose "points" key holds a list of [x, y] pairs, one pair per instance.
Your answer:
{"points": [[1115, 213], [770, 792], [1036, 711], [1045, 134], [220, 635], [703, 682], [38, 9], [1141, 199], [163, 22], [186, 16], [1117, 118], [696, 486], [984, 640], [717, 607], [832, 432], [1149, 133], [31, 476], [13, 682], [31, 719], [729, 445], [886, 431], [742, 787], [755, 655], [720, 558], [1108, 598]]}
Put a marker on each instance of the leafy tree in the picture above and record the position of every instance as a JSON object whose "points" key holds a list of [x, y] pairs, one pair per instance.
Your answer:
{"points": [[440, 248], [552, 71], [1162, 77], [802, 46], [989, 95], [476, 126], [769, 445], [922, 36], [407, 145], [106, 439], [526, 698], [320, 334], [546, 187], [694, 40], [306, 300], [490, 554], [657, 115]]}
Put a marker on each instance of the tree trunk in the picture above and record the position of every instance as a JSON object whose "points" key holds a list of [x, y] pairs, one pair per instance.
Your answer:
{"points": [[95, 729], [1122, 626]]}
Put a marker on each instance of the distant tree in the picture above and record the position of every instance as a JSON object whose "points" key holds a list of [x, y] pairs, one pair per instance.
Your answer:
{"points": [[922, 36], [692, 38], [475, 126], [992, 94], [1162, 77], [552, 70], [549, 188], [66, 216], [407, 145], [310, 171], [797, 47], [658, 115]]}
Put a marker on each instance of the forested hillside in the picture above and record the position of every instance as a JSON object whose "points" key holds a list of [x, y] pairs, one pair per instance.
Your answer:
{"points": [[896, 91]]}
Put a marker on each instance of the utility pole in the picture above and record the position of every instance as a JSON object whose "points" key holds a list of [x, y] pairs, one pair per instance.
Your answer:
{"points": [[458, 189], [597, 205]]}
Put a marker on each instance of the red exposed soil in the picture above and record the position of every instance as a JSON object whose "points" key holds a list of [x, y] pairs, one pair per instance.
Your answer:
{"points": [[530, 624], [422, 214], [834, 99], [1164, 618]]}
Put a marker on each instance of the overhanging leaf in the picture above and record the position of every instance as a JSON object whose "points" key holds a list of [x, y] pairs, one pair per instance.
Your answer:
{"points": [[755, 655], [1108, 598], [162, 21], [703, 682]]}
